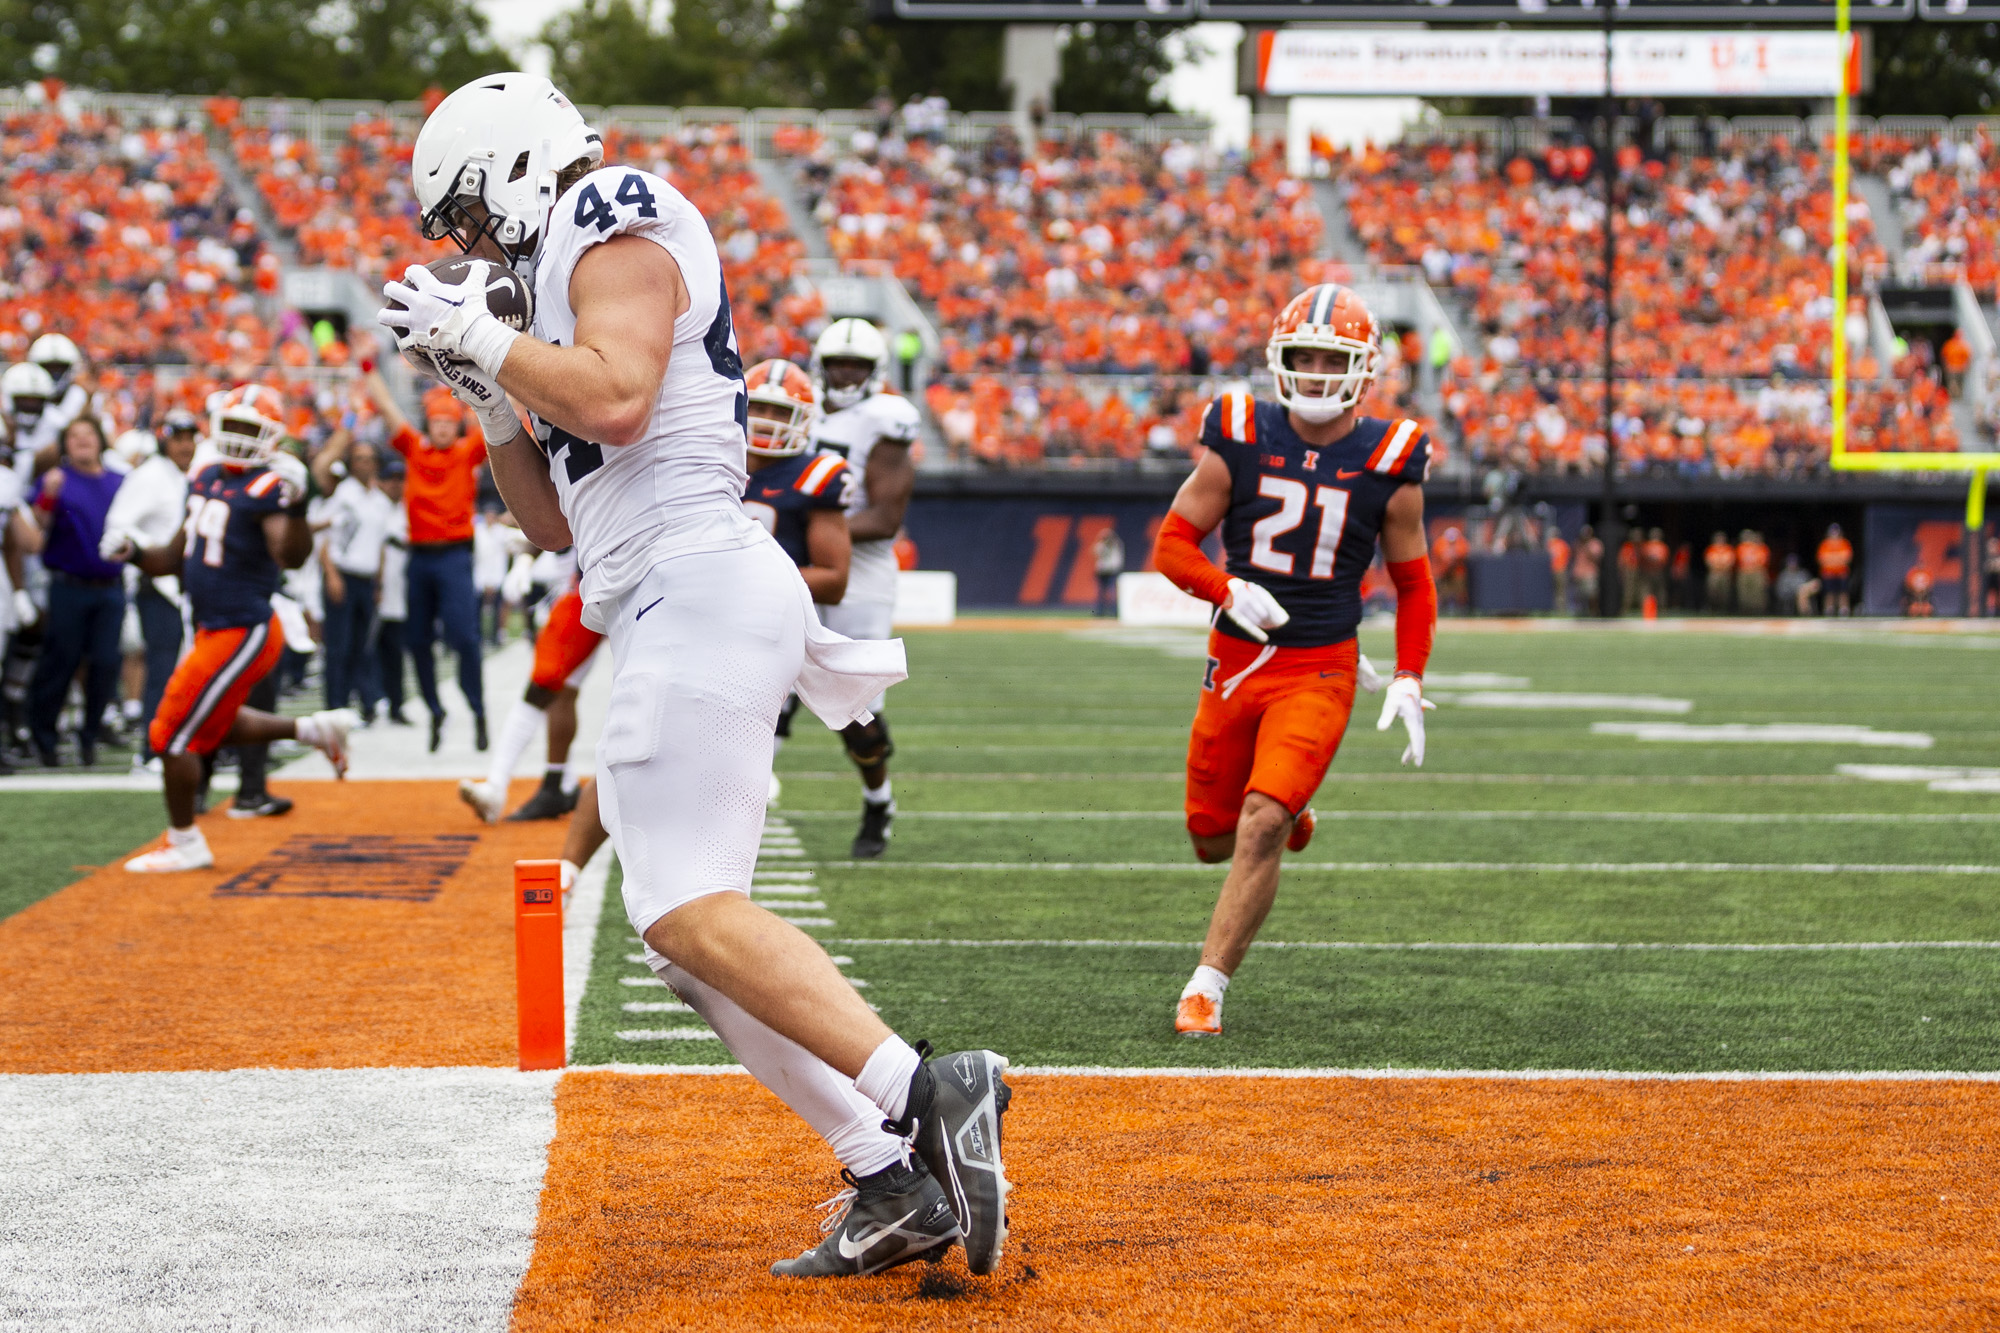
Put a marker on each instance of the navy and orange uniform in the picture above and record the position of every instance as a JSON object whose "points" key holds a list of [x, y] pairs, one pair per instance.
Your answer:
{"points": [[1302, 518], [1303, 523], [784, 497], [565, 646], [230, 574]]}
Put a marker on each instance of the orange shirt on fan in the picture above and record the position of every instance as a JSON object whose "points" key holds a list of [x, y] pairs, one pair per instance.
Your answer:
{"points": [[442, 488], [1836, 556]]}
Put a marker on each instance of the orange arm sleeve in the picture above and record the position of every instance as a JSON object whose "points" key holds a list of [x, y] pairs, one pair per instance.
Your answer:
{"points": [[1416, 614], [1177, 554]]}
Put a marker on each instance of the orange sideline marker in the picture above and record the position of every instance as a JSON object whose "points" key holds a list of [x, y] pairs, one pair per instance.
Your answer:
{"points": [[538, 962]]}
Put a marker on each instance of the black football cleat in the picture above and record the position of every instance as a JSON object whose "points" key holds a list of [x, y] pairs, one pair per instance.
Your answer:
{"points": [[953, 1122], [479, 732], [897, 1215], [265, 806], [437, 731], [873, 839], [550, 801]]}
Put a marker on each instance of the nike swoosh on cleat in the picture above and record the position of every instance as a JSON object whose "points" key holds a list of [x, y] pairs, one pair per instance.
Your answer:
{"points": [[850, 1250], [648, 606], [1344, 474]]}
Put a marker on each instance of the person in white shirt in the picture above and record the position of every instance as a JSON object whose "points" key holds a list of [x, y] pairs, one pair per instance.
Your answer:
{"points": [[392, 592], [146, 512], [358, 515]]}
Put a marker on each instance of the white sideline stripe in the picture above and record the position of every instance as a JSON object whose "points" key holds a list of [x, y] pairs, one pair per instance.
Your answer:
{"points": [[379, 1199], [1913, 772], [85, 782], [1766, 733], [581, 916], [1968, 786], [1435, 816], [1630, 703], [1494, 1075], [1450, 867], [667, 1034], [655, 1007], [1444, 946]]}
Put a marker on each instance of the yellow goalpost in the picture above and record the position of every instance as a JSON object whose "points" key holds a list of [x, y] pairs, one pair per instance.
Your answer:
{"points": [[1976, 463]]}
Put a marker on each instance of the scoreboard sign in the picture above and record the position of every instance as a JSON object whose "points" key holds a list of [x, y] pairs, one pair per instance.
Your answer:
{"points": [[1817, 12]]}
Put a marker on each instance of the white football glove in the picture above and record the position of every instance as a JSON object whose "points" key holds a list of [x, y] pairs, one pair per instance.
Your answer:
{"points": [[448, 320], [115, 545], [1368, 677], [26, 613], [478, 391], [1405, 699], [519, 579], [291, 478], [1255, 609]]}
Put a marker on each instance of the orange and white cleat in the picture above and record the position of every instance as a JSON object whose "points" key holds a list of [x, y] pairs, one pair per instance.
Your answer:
{"points": [[1200, 1015], [1302, 831], [167, 855], [327, 732]]}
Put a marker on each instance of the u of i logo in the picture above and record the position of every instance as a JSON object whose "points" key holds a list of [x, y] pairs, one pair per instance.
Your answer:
{"points": [[1312, 460]]}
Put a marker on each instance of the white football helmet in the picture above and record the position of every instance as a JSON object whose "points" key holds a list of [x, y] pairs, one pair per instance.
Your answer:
{"points": [[57, 355], [25, 393], [135, 446], [849, 340], [486, 163], [780, 384], [245, 425]]}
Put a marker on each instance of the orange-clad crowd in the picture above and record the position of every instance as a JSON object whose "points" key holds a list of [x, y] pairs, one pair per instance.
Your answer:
{"points": [[1723, 336]]}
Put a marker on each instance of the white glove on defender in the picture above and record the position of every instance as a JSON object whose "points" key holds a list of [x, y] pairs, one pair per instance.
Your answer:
{"points": [[519, 580], [1255, 609], [1405, 699], [26, 613], [448, 320], [115, 546], [291, 478], [1367, 676]]}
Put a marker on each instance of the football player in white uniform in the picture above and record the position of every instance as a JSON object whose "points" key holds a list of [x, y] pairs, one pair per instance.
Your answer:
{"points": [[60, 358], [632, 373], [873, 428]]}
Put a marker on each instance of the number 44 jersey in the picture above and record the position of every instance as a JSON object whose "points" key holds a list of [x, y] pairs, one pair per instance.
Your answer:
{"points": [[678, 489], [1303, 518]]}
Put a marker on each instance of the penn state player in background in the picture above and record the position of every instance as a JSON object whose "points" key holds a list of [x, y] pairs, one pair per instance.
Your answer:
{"points": [[1303, 489], [872, 427], [633, 377]]}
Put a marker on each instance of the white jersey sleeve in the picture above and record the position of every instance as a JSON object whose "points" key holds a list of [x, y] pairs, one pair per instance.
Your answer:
{"points": [[854, 432], [679, 488]]}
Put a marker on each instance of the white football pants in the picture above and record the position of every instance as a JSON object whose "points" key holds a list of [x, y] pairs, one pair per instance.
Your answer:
{"points": [[703, 653]]}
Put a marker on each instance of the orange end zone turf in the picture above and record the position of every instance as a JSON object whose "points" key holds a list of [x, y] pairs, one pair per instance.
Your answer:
{"points": [[371, 926], [1219, 1203]]}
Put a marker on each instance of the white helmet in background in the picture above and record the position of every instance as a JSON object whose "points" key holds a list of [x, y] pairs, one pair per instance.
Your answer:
{"points": [[57, 355], [135, 446], [25, 393], [498, 142], [782, 386], [849, 340], [246, 425]]}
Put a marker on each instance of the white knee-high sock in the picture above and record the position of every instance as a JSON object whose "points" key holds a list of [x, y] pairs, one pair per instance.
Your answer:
{"points": [[822, 1096], [524, 720]]}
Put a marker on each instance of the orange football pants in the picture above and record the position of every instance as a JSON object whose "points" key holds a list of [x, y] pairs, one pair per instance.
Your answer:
{"points": [[564, 645], [1276, 733], [209, 686]]}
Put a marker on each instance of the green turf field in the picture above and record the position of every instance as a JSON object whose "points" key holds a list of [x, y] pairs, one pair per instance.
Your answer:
{"points": [[56, 838], [1039, 896]]}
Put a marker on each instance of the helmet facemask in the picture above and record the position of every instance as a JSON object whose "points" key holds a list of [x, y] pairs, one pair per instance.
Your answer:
{"points": [[1319, 397], [785, 436], [844, 396]]}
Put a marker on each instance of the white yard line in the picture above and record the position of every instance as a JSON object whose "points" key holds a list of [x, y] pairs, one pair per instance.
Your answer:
{"points": [[1496, 1075], [1437, 816], [1443, 946], [381, 1199], [1451, 867]]}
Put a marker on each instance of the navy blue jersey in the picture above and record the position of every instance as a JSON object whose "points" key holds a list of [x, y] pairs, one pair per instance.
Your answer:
{"points": [[784, 495], [228, 568], [1303, 518]]}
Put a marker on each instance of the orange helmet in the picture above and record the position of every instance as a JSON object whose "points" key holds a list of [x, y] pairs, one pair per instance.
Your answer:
{"points": [[1325, 317], [782, 385], [246, 424]]}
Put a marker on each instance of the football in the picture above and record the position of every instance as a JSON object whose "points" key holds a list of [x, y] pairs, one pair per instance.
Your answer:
{"points": [[507, 297]]}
